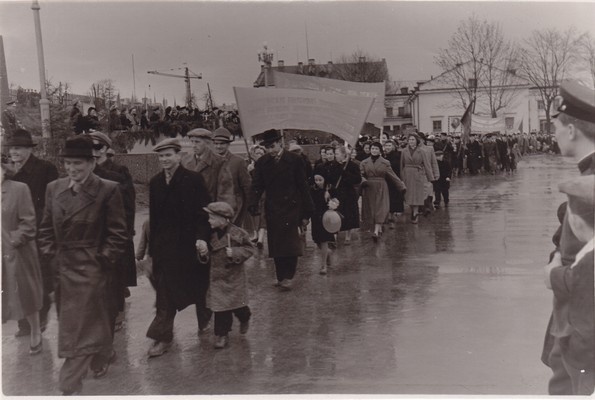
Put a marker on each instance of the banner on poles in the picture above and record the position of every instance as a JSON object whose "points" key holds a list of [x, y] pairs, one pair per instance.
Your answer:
{"points": [[374, 90], [483, 124], [263, 109]]}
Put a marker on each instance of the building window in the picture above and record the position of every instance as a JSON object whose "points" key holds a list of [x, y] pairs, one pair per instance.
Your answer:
{"points": [[509, 121], [389, 111], [472, 83], [540, 105], [437, 126], [401, 111]]}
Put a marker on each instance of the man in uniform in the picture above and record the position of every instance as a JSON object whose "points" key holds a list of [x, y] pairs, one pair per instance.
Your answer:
{"points": [[84, 229], [9, 119], [569, 348], [36, 174], [288, 205], [124, 274], [239, 173], [176, 222]]}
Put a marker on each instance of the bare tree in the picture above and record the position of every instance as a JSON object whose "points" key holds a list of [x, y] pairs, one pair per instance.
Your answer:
{"points": [[587, 46], [480, 62], [57, 94], [546, 59], [103, 93], [360, 67]]}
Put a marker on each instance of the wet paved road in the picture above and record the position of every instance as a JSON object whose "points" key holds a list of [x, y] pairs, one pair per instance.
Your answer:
{"points": [[454, 305]]}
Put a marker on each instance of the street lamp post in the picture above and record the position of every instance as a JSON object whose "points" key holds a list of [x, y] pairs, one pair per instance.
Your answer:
{"points": [[266, 57], [44, 103]]}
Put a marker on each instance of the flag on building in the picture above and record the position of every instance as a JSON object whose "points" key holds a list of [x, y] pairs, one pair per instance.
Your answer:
{"points": [[466, 123], [264, 109]]}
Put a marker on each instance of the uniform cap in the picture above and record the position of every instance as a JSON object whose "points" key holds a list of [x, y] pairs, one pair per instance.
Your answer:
{"points": [[100, 137], [200, 133], [220, 208], [222, 134], [165, 144], [294, 147], [576, 99]]}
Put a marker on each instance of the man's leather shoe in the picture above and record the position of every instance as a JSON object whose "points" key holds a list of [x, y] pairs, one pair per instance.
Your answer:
{"points": [[286, 285], [221, 342], [98, 373], [159, 348]]}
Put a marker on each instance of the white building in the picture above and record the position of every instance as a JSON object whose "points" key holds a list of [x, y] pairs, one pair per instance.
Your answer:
{"points": [[436, 105]]}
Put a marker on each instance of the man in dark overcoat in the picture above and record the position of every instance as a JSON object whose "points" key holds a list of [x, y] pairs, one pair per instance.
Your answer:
{"points": [[36, 174], [84, 229], [288, 205], [124, 274], [474, 155], [569, 348], [176, 222]]}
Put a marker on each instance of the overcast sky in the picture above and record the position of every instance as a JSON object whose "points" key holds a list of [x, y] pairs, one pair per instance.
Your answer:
{"points": [[87, 41]]}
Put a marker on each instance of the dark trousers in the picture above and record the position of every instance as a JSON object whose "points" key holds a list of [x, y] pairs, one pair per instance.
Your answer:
{"points": [[441, 189], [224, 319], [567, 380], [285, 267], [115, 304]]}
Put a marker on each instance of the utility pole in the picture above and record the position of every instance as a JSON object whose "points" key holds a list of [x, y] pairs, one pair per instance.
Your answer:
{"points": [[44, 103]]}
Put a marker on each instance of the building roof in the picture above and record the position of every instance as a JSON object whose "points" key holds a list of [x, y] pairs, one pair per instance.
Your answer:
{"points": [[328, 70]]}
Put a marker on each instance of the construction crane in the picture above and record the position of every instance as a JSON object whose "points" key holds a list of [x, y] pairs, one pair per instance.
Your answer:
{"points": [[187, 76]]}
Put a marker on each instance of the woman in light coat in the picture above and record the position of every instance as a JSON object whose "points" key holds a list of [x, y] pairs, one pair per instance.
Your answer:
{"points": [[376, 172], [416, 171], [21, 274]]}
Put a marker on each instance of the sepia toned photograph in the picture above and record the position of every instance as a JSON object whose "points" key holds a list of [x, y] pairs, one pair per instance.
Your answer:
{"points": [[349, 198]]}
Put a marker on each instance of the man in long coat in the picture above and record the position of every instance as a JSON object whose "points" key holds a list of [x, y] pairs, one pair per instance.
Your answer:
{"points": [[84, 229], [288, 205], [219, 185], [36, 174], [239, 173], [176, 221], [125, 272], [569, 348]]}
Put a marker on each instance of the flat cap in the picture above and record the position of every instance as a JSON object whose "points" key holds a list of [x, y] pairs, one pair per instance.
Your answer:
{"points": [[220, 208], [165, 144], [222, 134], [200, 133], [576, 99], [295, 147], [100, 137]]}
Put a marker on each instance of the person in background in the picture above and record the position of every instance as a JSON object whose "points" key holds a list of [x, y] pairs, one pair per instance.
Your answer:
{"points": [[258, 221], [417, 172], [22, 288], [442, 185]]}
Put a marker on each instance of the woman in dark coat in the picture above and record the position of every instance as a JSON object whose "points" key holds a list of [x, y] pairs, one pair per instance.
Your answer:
{"points": [[416, 171], [344, 176], [377, 171], [22, 288]]}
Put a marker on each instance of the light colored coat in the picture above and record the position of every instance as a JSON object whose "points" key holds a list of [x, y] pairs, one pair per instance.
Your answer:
{"points": [[216, 175], [416, 171], [375, 196], [21, 274], [227, 289], [86, 234]]}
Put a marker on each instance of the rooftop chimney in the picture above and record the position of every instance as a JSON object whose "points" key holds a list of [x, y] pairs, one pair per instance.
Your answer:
{"points": [[311, 61], [404, 90]]}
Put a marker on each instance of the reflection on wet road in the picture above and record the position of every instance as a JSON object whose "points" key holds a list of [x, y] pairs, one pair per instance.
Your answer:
{"points": [[454, 305]]}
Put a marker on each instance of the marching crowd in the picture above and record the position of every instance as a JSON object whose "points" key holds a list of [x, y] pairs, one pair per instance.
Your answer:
{"points": [[209, 211]]}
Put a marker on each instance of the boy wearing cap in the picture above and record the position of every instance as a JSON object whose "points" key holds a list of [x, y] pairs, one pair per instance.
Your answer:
{"points": [[228, 248], [37, 174], [442, 185], [574, 121], [84, 230]]}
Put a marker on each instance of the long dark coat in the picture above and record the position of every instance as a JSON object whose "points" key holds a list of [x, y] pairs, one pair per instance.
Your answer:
{"points": [[176, 221], [21, 274], [395, 196], [120, 174], [216, 176], [346, 192], [287, 201], [86, 233], [36, 174]]}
